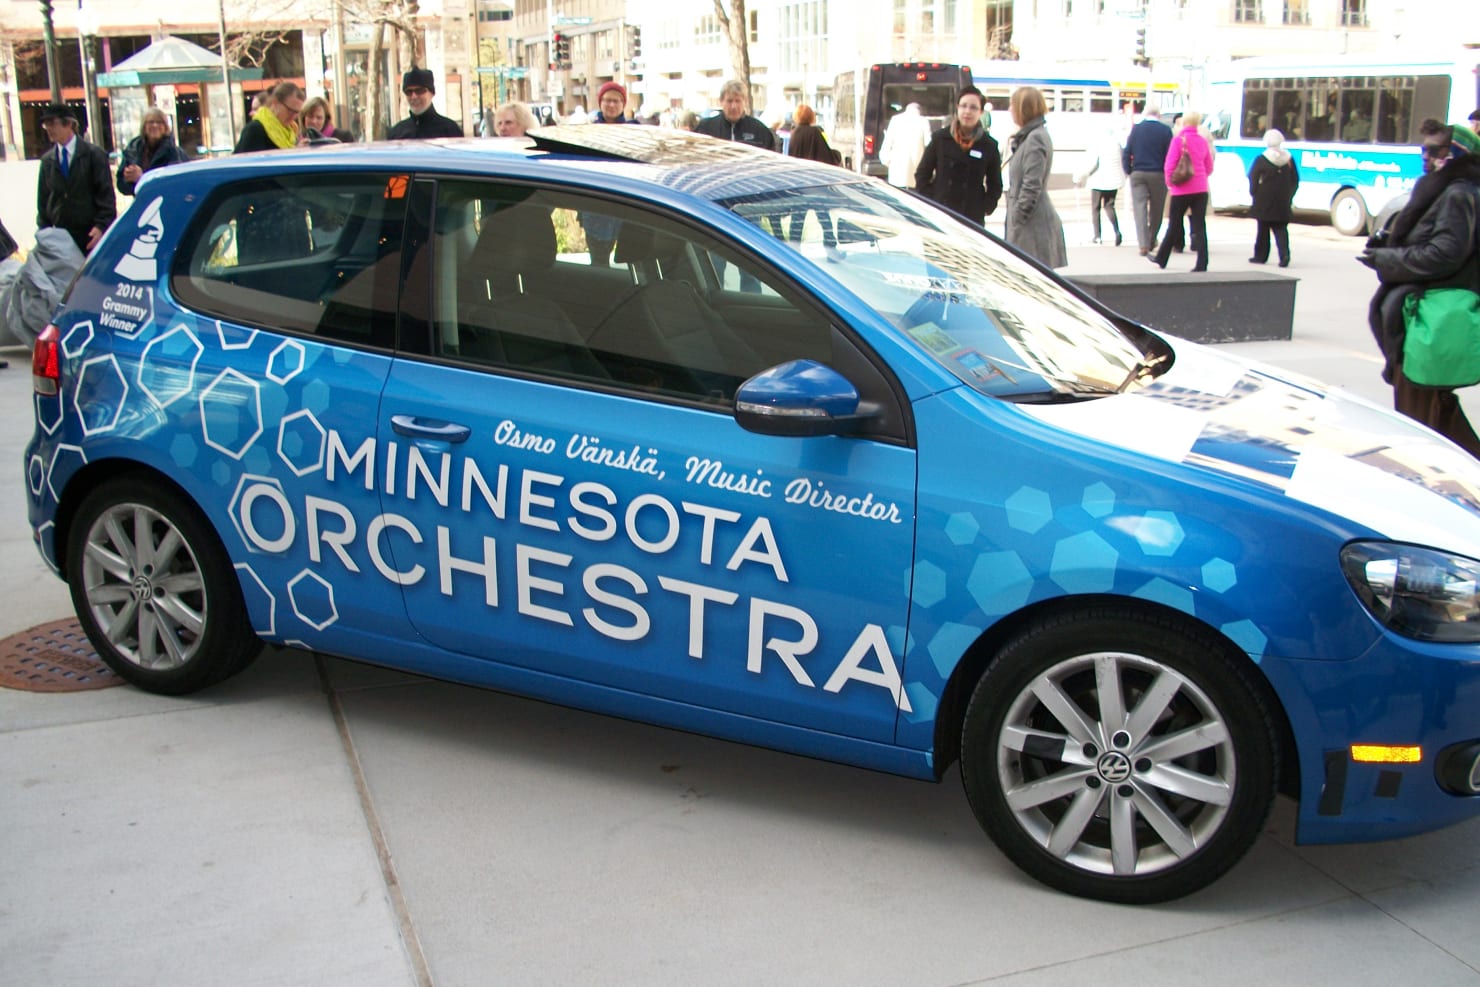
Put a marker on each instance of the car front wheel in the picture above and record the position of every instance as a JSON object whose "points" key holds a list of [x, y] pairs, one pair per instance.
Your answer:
{"points": [[154, 590], [1120, 755]]}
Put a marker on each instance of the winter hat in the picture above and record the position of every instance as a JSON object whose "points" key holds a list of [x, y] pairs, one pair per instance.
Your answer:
{"points": [[58, 111], [1463, 136], [418, 77]]}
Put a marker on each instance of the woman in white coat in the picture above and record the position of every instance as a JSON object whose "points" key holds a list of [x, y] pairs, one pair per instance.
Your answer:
{"points": [[1105, 175]]}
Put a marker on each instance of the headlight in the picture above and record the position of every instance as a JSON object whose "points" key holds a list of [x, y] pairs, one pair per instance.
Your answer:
{"points": [[1417, 592]]}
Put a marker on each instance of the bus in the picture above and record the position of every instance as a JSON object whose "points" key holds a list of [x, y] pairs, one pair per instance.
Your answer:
{"points": [[865, 100], [1352, 124], [1084, 104]]}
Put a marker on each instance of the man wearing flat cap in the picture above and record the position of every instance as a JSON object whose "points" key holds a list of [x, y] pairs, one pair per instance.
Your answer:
{"points": [[75, 188], [424, 123]]}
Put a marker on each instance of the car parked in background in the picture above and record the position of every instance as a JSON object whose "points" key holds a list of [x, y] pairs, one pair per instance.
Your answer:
{"points": [[801, 461]]}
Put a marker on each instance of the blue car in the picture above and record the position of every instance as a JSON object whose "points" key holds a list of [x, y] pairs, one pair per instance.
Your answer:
{"points": [[786, 456]]}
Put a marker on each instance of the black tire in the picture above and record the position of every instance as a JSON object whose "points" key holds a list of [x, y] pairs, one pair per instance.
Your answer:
{"points": [[1349, 213], [1108, 806], [166, 614]]}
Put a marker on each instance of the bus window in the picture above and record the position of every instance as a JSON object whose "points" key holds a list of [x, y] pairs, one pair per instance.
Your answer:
{"points": [[1289, 110], [1357, 99], [1431, 100], [1072, 101], [1321, 99], [1256, 109], [936, 102], [1101, 101], [1395, 110]]}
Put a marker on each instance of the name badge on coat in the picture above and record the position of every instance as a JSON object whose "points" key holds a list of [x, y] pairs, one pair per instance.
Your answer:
{"points": [[974, 153]]}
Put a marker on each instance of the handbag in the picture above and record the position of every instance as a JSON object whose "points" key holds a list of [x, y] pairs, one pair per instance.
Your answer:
{"points": [[1441, 343], [1182, 173]]}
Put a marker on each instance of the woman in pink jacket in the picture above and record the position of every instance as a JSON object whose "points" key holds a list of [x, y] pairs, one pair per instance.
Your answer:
{"points": [[1190, 196]]}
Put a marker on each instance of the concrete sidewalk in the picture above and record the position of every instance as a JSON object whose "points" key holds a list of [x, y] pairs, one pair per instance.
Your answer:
{"points": [[319, 822]]}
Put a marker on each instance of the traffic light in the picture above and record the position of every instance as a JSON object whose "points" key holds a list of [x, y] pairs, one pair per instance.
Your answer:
{"points": [[1141, 58], [634, 42], [559, 51]]}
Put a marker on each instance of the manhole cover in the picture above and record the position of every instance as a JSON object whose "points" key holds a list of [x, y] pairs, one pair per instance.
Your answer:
{"points": [[55, 657]]}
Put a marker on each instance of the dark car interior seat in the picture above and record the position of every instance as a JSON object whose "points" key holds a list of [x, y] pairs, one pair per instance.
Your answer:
{"points": [[665, 327], [503, 316]]}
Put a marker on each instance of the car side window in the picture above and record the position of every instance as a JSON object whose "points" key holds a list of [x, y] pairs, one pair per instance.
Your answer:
{"points": [[310, 254], [547, 282]]}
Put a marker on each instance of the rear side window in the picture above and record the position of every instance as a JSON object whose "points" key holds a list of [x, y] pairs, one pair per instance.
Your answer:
{"points": [[300, 253]]}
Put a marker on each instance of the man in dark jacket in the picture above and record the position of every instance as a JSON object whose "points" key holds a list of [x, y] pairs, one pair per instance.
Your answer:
{"points": [[734, 124], [1431, 243], [424, 123], [1144, 160], [75, 188]]}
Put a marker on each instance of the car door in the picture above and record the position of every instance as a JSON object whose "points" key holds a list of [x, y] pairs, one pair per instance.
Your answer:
{"points": [[572, 494], [294, 281]]}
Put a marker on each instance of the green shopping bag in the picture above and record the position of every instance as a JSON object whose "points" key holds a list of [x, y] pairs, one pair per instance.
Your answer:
{"points": [[1442, 345]]}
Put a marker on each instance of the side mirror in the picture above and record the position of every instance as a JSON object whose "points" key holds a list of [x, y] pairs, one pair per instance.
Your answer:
{"points": [[802, 397]]}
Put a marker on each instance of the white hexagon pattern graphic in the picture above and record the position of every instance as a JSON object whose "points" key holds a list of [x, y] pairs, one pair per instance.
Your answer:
{"points": [[160, 375], [104, 382], [231, 405], [313, 604]]}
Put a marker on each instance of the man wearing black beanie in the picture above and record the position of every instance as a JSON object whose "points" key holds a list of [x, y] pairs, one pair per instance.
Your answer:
{"points": [[424, 123]]}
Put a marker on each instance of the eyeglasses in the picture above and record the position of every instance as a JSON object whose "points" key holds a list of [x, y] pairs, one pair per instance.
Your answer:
{"points": [[415, 90]]}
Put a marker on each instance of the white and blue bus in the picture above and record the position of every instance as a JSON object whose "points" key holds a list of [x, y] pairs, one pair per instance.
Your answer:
{"points": [[1083, 104], [1352, 124]]}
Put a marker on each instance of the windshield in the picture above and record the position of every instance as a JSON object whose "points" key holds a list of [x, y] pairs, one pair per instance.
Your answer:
{"points": [[971, 305]]}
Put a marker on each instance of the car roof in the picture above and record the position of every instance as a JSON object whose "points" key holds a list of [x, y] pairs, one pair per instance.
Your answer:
{"points": [[679, 160]]}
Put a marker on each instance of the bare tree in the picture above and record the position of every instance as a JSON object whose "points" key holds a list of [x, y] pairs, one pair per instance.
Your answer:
{"points": [[737, 31], [398, 17]]}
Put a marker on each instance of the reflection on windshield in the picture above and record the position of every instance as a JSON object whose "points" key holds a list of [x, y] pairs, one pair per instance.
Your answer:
{"points": [[990, 318]]}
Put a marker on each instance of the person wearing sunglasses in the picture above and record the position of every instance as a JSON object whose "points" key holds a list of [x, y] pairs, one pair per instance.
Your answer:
{"points": [[1430, 244], [424, 122]]}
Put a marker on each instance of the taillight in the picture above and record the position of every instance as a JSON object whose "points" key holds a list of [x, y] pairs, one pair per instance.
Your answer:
{"points": [[46, 363], [868, 145]]}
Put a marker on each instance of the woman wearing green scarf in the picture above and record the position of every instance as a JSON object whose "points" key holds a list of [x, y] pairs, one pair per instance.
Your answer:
{"points": [[276, 124]]}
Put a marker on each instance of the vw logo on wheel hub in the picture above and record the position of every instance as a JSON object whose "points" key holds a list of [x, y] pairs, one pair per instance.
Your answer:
{"points": [[143, 589], [1114, 767]]}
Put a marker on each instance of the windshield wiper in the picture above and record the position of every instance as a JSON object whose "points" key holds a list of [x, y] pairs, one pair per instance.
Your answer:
{"points": [[1141, 369]]}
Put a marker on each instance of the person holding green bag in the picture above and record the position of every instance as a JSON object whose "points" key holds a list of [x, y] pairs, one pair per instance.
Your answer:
{"points": [[1426, 312]]}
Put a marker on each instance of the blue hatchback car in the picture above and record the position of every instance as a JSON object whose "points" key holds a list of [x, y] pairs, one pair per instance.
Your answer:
{"points": [[671, 429]]}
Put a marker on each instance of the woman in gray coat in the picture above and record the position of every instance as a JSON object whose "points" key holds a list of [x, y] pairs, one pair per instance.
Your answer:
{"points": [[1033, 225]]}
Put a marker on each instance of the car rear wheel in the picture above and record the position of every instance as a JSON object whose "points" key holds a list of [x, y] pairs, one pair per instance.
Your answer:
{"points": [[1120, 755], [1349, 213], [154, 590]]}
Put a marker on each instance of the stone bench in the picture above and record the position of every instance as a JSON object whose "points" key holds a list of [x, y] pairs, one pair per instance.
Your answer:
{"points": [[1211, 307]]}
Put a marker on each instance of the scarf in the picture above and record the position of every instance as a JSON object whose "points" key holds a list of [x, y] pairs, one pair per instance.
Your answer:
{"points": [[278, 132], [1277, 156], [964, 138], [1024, 130]]}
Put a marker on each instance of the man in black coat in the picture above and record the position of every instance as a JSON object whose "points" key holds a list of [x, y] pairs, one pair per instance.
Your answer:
{"points": [[75, 188], [734, 124], [424, 123]]}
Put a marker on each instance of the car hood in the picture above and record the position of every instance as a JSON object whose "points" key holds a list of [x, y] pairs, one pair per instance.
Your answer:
{"points": [[1312, 443]]}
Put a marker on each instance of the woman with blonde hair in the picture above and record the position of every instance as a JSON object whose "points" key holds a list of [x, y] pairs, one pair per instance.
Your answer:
{"points": [[1033, 224], [154, 148], [317, 119], [1188, 194], [275, 125], [513, 120]]}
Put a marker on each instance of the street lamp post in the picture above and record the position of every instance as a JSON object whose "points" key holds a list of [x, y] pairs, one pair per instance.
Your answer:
{"points": [[87, 29]]}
